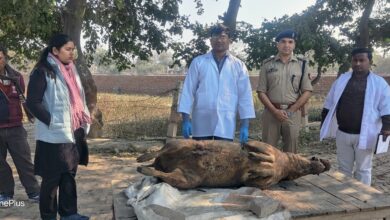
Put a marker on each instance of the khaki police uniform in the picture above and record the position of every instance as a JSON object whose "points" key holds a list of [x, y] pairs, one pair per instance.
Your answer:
{"points": [[280, 82]]}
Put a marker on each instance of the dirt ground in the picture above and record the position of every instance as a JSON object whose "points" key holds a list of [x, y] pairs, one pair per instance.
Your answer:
{"points": [[115, 160], [93, 182]]}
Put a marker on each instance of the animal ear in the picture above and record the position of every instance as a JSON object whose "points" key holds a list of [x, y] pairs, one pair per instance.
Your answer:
{"points": [[314, 158]]}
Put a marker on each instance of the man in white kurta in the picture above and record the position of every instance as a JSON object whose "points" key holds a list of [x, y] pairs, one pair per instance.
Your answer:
{"points": [[216, 87], [356, 110]]}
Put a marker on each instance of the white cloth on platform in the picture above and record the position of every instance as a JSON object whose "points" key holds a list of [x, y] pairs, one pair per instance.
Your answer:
{"points": [[160, 201]]}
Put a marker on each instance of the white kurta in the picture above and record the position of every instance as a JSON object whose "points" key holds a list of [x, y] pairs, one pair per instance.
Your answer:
{"points": [[214, 98], [376, 104]]}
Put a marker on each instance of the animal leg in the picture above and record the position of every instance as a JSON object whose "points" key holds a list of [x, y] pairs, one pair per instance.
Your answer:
{"points": [[262, 176], [175, 178], [261, 157], [258, 147], [147, 156], [151, 155], [263, 170], [261, 182]]}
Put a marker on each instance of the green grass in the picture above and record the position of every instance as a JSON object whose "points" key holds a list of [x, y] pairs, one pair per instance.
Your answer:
{"points": [[134, 116], [140, 116]]}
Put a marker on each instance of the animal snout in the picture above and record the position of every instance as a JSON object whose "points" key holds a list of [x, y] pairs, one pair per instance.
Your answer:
{"points": [[319, 165], [326, 163]]}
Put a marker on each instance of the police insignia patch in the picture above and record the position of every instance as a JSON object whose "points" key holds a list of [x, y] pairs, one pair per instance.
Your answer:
{"points": [[271, 70]]}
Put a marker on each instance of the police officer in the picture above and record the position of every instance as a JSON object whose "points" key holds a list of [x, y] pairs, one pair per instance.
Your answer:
{"points": [[284, 87]]}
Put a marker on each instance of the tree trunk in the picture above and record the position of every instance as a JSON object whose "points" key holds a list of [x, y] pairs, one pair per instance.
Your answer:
{"points": [[344, 67], [72, 20], [230, 17], [318, 77], [363, 39]]}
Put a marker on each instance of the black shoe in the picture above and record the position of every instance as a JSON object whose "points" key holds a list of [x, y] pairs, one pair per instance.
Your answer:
{"points": [[5, 200], [34, 197], [74, 217]]}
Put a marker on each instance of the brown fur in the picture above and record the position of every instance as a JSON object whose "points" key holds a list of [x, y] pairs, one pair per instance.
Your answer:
{"points": [[189, 164]]}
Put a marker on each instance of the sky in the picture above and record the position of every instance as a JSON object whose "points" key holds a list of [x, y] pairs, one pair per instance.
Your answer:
{"points": [[251, 11]]}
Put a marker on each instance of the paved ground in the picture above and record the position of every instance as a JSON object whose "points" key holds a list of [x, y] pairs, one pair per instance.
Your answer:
{"points": [[94, 181]]}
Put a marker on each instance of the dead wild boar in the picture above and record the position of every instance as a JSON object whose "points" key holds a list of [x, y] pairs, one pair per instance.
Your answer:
{"points": [[187, 164]]}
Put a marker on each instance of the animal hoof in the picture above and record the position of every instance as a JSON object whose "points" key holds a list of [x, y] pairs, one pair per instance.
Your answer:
{"points": [[145, 170]]}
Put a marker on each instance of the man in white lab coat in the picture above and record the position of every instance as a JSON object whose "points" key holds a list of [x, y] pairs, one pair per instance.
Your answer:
{"points": [[216, 87], [356, 110]]}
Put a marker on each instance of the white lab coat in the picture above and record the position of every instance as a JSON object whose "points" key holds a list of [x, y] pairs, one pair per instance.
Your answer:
{"points": [[214, 98], [376, 104]]}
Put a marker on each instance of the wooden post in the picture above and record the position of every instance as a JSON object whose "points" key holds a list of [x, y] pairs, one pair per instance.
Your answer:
{"points": [[174, 117], [305, 117]]}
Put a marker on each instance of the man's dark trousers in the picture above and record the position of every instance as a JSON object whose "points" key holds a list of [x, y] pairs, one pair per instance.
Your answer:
{"points": [[14, 139]]}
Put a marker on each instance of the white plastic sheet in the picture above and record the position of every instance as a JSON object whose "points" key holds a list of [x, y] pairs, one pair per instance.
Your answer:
{"points": [[160, 201]]}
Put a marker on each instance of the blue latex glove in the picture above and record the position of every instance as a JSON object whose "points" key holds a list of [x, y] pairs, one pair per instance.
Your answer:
{"points": [[186, 126], [244, 130]]}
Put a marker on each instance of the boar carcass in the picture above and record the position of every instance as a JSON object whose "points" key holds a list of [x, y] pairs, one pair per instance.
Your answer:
{"points": [[187, 164]]}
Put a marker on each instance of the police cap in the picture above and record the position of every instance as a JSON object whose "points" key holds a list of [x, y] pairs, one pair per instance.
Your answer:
{"points": [[286, 34]]}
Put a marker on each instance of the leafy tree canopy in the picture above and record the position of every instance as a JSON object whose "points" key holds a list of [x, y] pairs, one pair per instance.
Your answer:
{"points": [[130, 28], [328, 31]]}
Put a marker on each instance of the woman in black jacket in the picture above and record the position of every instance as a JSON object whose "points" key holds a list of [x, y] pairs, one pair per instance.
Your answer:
{"points": [[56, 97]]}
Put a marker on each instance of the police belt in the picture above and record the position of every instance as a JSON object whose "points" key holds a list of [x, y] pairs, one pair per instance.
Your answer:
{"points": [[282, 106]]}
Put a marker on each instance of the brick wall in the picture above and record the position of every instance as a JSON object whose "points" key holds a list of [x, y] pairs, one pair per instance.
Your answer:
{"points": [[155, 85], [151, 85]]}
